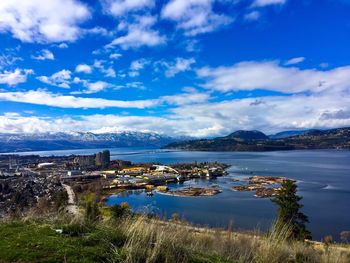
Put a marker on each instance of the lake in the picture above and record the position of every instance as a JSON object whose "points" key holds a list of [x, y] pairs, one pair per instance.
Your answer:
{"points": [[323, 179]]}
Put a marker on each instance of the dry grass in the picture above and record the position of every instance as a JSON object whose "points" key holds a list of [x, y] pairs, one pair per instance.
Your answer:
{"points": [[150, 240]]}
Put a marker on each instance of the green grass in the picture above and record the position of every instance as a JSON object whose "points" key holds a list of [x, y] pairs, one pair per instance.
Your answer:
{"points": [[35, 242], [32, 241]]}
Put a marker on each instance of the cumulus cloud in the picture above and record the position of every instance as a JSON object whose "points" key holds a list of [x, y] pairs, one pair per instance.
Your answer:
{"points": [[136, 66], [195, 16], [41, 20], [91, 87], [97, 86], [107, 71], [12, 78], [59, 79], [261, 3], [271, 115], [180, 65], [119, 8], [44, 54], [200, 119], [83, 68], [138, 33], [271, 75]]}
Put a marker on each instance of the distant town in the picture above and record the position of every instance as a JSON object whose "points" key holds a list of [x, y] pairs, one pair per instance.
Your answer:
{"points": [[28, 180]]}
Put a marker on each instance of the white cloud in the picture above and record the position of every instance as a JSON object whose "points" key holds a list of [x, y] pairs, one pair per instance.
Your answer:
{"points": [[269, 114], [97, 30], [186, 98], [136, 66], [9, 59], [139, 33], [12, 78], [42, 20], [60, 79], [108, 72], [97, 86], [119, 8], [83, 68], [271, 76], [261, 3], [295, 61], [62, 45], [201, 119], [40, 97], [91, 87], [135, 85], [195, 16], [44, 54], [252, 16], [180, 65], [115, 56]]}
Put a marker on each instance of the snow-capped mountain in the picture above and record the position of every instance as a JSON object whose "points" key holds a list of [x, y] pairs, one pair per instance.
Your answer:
{"points": [[76, 140]]}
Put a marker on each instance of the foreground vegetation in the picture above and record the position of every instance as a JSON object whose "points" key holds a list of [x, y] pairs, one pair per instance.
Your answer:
{"points": [[116, 235]]}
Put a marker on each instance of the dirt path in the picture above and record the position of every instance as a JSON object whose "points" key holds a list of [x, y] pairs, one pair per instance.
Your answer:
{"points": [[72, 206]]}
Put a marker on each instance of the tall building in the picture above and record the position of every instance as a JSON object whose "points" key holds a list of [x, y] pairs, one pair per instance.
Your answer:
{"points": [[102, 159], [106, 158]]}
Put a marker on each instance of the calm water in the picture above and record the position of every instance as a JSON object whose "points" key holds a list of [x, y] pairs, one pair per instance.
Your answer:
{"points": [[323, 179]]}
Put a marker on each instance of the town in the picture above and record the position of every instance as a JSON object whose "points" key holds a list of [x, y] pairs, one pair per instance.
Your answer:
{"points": [[26, 181]]}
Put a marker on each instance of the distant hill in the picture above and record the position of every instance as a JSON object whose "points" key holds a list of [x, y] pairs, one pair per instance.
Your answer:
{"points": [[81, 140], [258, 141], [247, 135], [286, 134]]}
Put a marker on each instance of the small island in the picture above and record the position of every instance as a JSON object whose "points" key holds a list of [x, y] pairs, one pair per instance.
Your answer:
{"points": [[193, 191], [264, 186]]}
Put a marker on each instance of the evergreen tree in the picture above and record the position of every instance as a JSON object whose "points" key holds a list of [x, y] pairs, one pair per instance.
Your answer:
{"points": [[289, 211]]}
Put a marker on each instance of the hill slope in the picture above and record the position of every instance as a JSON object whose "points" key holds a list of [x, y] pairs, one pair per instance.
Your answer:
{"points": [[256, 141]]}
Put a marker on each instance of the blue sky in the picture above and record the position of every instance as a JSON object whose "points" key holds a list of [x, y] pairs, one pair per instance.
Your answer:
{"points": [[179, 67]]}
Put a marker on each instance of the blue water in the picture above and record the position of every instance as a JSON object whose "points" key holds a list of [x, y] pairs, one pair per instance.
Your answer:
{"points": [[323, 179]]}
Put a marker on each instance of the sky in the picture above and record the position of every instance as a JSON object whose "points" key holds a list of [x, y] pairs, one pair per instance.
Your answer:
{"points": [[198, 68]]}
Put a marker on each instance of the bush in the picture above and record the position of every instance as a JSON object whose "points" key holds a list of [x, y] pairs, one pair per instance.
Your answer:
{"points": [[120, 211], [60, 199], [92, 210]]}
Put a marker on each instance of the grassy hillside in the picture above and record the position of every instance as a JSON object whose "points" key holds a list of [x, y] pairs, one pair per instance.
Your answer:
{"points": [[123, 237]]}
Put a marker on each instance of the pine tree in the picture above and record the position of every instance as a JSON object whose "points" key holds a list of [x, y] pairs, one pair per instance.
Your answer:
{"points": [[289, 211]]}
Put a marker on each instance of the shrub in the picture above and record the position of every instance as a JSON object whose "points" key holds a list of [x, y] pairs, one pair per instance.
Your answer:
{"points": [[120, 211]]}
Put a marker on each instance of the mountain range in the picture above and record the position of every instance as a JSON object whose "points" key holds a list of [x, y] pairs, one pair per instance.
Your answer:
{"points": [[258, 141], [81, 140], [237, 141]]}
